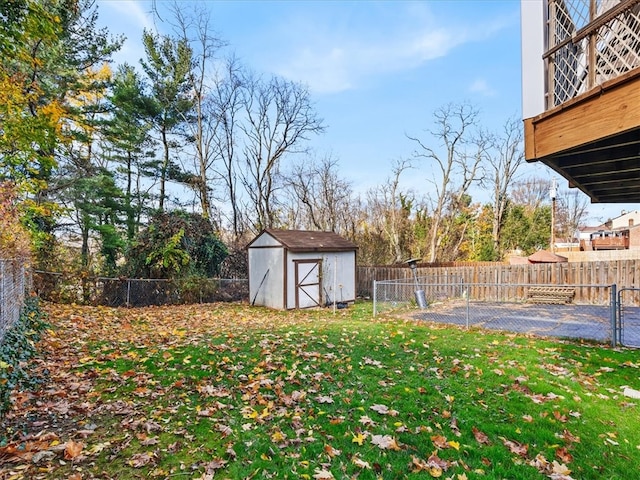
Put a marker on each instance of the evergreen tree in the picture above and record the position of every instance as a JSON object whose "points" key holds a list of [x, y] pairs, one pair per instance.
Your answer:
{"points": [[167, 66], [128, 142]]}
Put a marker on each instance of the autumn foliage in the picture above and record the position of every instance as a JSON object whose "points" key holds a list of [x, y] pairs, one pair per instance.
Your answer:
{"points": [[14, 239]]}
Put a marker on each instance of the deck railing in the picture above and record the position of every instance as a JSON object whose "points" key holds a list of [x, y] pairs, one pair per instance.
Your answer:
{"points": [[589, 43]]}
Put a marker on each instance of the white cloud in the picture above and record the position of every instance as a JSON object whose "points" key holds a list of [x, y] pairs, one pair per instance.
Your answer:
{"points": [[338, 65], [481, 86], [331, 59], [128, 13], [128, 18]]}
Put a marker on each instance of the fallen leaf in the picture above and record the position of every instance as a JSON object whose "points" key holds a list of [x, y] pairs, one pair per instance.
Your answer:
{"points": [[332, 452], [140, 460], [559, 416], [278, 437], [72, 449], [324, 399], [454, 444], [366, 421], [385, 442], [631, 393], [560, 469], [515, 447], [480, 437], [322, 474], [358, 462], [564, 455], [439, 441], [150, 441], [434, 465], [569, 437], [225, 430], [215, 464], [358, 438], [384, 410]]}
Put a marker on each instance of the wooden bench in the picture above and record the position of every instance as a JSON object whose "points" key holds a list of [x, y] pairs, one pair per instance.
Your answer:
{"points": [[547, 294]]}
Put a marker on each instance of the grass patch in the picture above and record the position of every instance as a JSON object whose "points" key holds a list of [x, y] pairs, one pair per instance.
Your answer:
{"points": [[237, 392]]}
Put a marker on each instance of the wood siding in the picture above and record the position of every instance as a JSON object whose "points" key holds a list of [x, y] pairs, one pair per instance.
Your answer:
{"points": [[605, 111]]}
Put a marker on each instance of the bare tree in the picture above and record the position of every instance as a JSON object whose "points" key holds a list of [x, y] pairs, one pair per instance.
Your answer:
{"points": [[503, 165], [278, 118], [571, 212], [390, 208], [226, 95], [531, 192], [194, 28], [320, 197], [454, 169]]}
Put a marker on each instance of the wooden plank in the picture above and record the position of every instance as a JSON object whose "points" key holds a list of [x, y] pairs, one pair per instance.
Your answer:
{"points": [[529, 139], [614, 111]]}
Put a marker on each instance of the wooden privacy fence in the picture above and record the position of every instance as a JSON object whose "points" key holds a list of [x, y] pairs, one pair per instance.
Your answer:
{"points": [[623, 273]]}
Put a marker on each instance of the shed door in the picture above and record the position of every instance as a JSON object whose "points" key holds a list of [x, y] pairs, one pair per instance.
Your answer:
{"points": [[308, 279]]}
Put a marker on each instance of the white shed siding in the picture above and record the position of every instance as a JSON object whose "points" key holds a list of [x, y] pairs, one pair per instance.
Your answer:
{"points": [[342, 264], [266, 276], [266, 240], [339, 273]]}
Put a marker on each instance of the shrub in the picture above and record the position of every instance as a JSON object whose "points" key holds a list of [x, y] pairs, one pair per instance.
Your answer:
{"points": [[176, 245], [17, 347], [197, 289]]}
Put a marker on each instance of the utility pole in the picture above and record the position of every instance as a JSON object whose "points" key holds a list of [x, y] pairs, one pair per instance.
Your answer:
{"points": [[552, 193]]}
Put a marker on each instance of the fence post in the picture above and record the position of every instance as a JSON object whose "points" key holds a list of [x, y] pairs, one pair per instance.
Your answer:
{"points": [[128, 292], [374, 298], [465, 292], [614, 315]]}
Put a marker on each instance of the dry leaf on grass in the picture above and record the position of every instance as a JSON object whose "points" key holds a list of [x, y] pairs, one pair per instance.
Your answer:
{"points": [[385, 442], [322, 474], [72, 449]]}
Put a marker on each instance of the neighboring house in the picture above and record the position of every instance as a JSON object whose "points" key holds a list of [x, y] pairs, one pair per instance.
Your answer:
{"points": [[625, 220], [620, 233], [301, 269]]}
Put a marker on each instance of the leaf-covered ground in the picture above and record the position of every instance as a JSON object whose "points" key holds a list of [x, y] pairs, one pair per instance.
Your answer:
{"points": [[230, 391]]}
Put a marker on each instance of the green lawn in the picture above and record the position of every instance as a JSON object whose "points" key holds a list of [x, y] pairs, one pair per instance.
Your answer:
{"points": [[229, 391]]}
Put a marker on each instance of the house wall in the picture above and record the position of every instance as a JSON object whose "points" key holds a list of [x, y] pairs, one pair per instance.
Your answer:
{"points": [[532, 35], [266, 273], [626, 220], [338, 275], [634, 237]]}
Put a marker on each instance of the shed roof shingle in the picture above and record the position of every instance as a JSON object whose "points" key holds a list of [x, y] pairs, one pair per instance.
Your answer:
{"points": [[310, 241]]}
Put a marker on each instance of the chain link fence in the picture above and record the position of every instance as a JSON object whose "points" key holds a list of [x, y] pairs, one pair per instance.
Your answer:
{"points": [[13, 284], [136, 292], [629, 317], [542, 309]]}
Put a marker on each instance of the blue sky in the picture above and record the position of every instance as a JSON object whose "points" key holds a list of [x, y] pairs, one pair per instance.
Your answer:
{"points": [[376, 70]]}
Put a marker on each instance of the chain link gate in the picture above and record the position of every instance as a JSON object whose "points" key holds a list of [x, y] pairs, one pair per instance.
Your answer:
{"points": [[628, 328]]}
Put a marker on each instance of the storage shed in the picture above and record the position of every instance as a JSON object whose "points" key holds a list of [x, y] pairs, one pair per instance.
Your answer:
{"points": [[301, 269]]}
